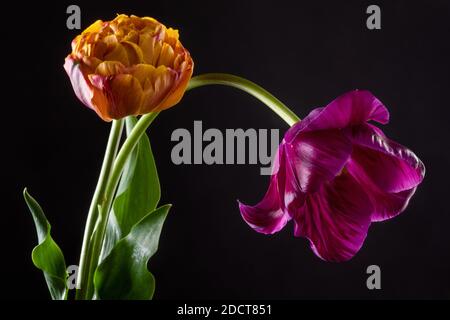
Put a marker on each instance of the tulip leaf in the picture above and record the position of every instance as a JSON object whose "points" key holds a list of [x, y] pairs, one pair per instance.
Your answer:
{"points": [[123, 274], [47, 256], [138, 192]]}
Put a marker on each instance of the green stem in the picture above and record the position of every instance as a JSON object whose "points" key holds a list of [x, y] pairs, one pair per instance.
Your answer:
{"points": [[250, 87], [110, 190], [141, 126], [110, 154]]}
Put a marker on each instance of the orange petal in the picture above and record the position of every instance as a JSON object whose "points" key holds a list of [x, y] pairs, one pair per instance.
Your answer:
{"points": [[118, 53], [172, 36], [163, 81], [147, 45], [173, 33], [91, 63], [126, 95], [133, 36], [143, 72], [166, 56], [134, 53], [110, 40], [99, 49], [179, 88], [109, 68], [95, 27], [90, 96]]}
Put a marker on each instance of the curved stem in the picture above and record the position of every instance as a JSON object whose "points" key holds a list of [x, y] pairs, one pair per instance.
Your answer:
{"points": [[108, 160], [250, 87], [110, 190]]}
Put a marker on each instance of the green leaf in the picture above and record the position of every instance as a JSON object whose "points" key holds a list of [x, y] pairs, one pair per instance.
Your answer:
{"points": [[138, 192], [47, 256], [123, 274]]}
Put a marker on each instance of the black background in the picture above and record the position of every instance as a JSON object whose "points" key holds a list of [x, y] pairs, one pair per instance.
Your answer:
{"points": [[306, 53]]}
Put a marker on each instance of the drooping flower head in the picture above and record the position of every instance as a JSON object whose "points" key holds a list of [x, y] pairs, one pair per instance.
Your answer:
{"points": [[334, 174], [128, 66]]}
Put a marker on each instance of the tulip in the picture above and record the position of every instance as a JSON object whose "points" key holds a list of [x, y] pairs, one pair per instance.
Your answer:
{"points": [[335, 174], [128, 66]]}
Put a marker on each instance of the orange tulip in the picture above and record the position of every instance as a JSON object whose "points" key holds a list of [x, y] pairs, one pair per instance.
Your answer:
{"points": [[128, 66]]}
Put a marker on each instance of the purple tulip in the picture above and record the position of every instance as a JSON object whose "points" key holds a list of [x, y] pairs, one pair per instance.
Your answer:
{"points": [[334, 174]]}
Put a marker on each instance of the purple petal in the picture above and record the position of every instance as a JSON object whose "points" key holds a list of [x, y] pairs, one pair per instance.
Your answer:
{"points": [[317, 157], [388, 171], [352, 108], [288, 185], [269, 216], [335, 219]]}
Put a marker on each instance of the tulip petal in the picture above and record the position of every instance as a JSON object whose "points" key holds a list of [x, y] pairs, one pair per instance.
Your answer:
{"points": [[134, 52], [117, 53], [290, 194], [177, 92], [88, 94], [353, 108], [269, 216], [317, 157], [147, 44], [109, 68], [124, 94], [127, 94], [82, 88], [388, 171], [95, 27], [143, 72], [158, 89], [167, 56], [164, 82], [335, 219]]}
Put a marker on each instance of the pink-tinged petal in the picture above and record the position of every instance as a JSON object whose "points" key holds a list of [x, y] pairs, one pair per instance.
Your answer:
{"points": [[123, 91], [88, 94], [352, 108], [317, 157], [335, 219], [388, 171], [80, 84]]}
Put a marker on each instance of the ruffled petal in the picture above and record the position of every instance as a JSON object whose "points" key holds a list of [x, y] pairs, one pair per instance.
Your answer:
{"points": [[317, 157], [109, 68], [352, 108], [182, 80], [388, 171], [335, 219]]}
